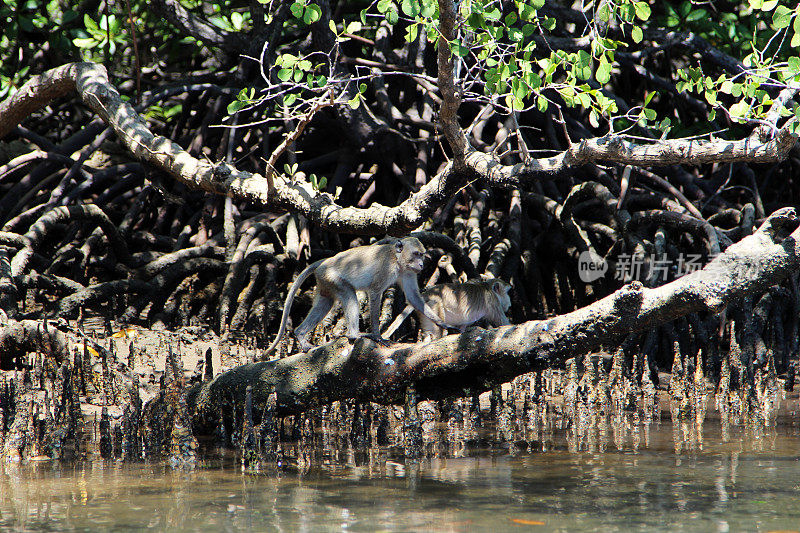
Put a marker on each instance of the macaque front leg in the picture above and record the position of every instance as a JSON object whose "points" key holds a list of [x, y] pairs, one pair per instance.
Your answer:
{"points": [[411, 291], [375, 319], [352, 313]]}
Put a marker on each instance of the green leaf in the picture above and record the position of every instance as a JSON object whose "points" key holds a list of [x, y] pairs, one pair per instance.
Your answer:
{"points": [[603, 12], [410, 7], [332, 26], [782, 17], [794, 65], [515, 34], [284, 74], [237, 20], [313, 13], [392, 16], [528, 30], [603, 74], [412, 32], [297, 10], [697, 14], [493, 14], [739, 110], [537, 4], [637, 34], [86, 42], [594, 119], [289, 99], [354, 101], [769, 5], [235, 106], [322, 183], [384, 5], [354, 27], [583, 69], [756, 4], [527, 12], [289, 60], [642, 10], [459, 49], [627, 13], [542, 103], [519, 90]]}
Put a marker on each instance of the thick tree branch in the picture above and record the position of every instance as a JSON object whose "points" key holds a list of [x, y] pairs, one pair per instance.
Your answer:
{"points": [[91, 83], [451, 100]]}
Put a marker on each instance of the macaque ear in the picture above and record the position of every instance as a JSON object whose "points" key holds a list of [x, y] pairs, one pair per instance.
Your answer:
{"points": [[398, 246], [501, 288], [497, 287]]}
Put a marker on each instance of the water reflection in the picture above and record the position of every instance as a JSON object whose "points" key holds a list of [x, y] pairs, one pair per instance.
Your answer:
{"points": [[557, 466]]}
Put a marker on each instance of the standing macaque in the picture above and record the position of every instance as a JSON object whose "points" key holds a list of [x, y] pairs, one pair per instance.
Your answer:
{"points": [[372, 269], [461, 304]]}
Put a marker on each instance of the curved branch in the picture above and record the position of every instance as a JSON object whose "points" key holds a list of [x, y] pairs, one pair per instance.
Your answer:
{"points": [[91, 83], [63, 214], [100, 292]]}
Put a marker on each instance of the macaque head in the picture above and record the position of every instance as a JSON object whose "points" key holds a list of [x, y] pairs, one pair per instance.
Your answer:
{"points": [[500, 289], [410, 254]]}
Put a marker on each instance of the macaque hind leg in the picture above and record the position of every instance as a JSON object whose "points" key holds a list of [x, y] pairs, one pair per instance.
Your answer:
{"points": [[352, 313], [322, 305]]}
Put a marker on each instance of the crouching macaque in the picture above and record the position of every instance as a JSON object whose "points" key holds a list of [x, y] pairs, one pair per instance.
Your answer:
{"points": [[461, 304], [372, 269]]}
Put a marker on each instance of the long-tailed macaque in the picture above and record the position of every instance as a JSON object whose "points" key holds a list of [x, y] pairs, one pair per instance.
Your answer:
{"points": [[372, 269], [461, 304]]}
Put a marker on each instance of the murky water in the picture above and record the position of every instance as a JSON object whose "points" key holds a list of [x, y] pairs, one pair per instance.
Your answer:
{"points": [[665, 477]]}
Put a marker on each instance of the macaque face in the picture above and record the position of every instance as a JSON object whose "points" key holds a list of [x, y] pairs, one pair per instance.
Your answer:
{"points": [[417, 261], [501, 289], [412, 255]]}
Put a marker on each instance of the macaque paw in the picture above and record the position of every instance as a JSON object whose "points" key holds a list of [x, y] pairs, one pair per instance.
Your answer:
{"points": [[303, 345]]}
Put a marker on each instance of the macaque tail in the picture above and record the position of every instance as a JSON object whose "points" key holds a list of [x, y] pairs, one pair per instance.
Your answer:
{"points": [[287, 307], [398, 321]]}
